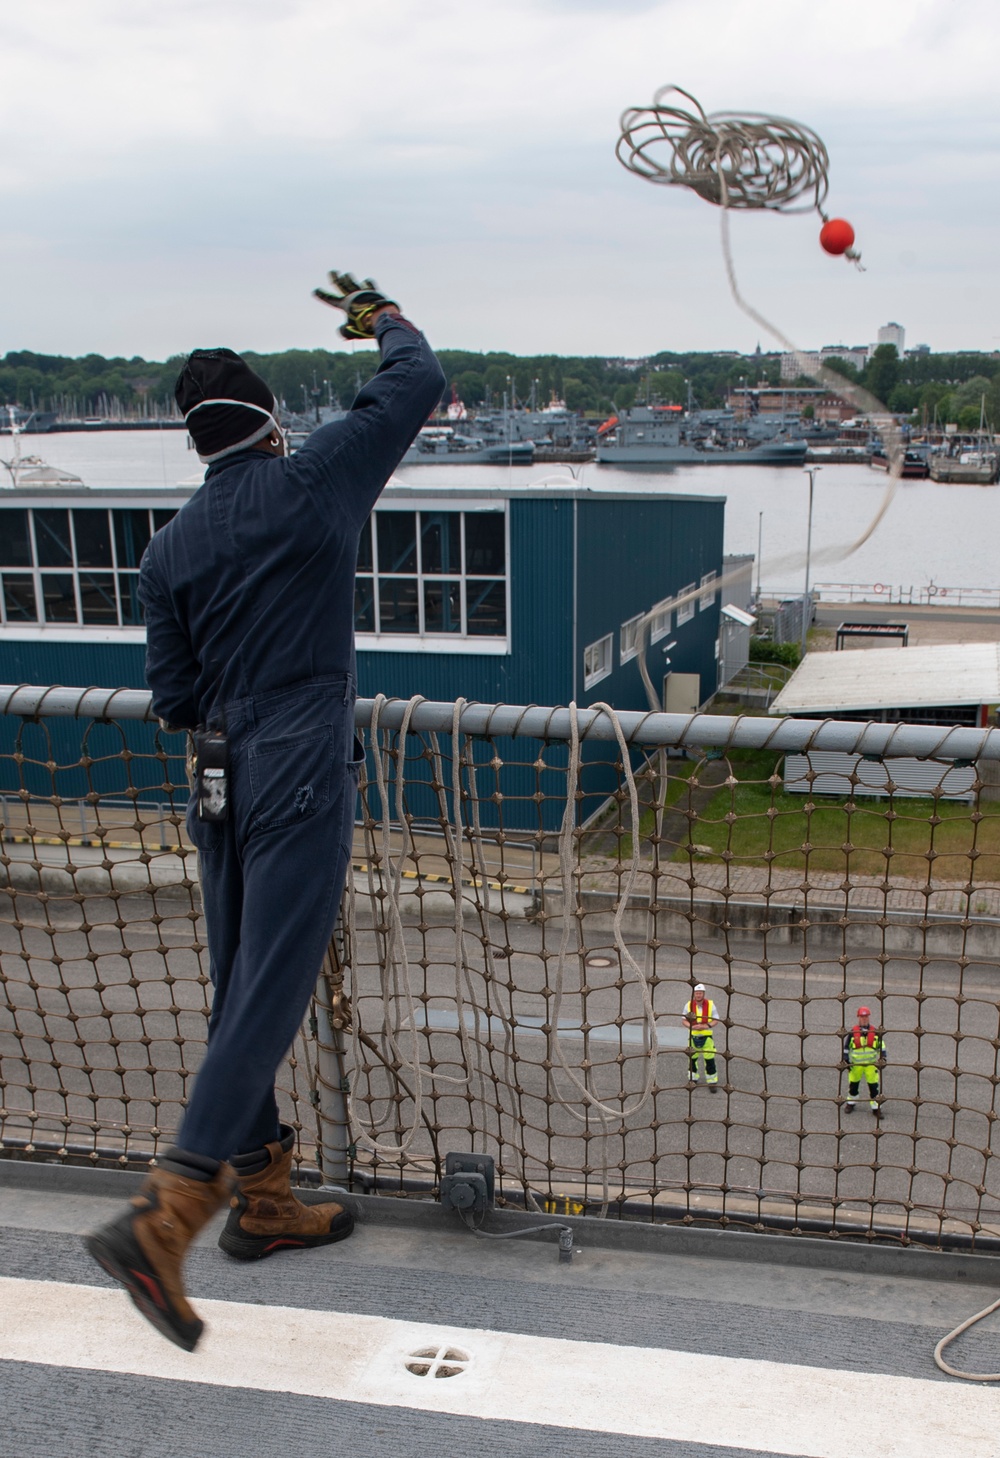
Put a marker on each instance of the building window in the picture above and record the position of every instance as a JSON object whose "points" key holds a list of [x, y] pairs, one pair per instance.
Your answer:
{"points": [[707, 591], [659, 623], [74, 566], [432, 574], [685, 610], [628, 643], [597, 661]]}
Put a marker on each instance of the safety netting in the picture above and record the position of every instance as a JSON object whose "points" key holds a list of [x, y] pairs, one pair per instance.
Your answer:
{"points": [[535, 896]]}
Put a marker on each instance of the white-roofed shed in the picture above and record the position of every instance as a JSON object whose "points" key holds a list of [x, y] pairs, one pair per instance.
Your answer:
{"points": [[879, 681], [946, 684]]}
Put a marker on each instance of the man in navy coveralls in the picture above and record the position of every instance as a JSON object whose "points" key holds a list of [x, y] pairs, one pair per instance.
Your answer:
{"points": [[249, 601]]}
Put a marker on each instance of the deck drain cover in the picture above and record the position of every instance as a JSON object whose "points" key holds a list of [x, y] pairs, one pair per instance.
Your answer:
{"points": [[437, 1362]]}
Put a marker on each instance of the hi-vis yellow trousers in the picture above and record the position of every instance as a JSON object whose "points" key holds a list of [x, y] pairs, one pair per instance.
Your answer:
{"points": [[702, 1045]]}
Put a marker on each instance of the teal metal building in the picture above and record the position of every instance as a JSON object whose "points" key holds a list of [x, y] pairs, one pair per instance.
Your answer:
{"points": [[519, 595]]}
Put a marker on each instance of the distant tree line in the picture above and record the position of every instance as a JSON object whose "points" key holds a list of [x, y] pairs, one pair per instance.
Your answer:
{"points": [[949, 387], [946, 388], [300, 377]]}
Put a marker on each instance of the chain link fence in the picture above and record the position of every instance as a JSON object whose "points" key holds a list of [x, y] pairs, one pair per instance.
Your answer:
{"points": [[535, 892]]}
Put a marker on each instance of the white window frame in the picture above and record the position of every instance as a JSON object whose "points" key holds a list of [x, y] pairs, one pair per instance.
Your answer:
{"points": [[423, 641], [686, 610], [76, 631], [598, 660], [628, 639], [707, 598], [661, 620]]}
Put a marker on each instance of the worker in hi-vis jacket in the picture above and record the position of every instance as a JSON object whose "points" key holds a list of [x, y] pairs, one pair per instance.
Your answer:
{"points": [[699, 1019], [864, 1055]]}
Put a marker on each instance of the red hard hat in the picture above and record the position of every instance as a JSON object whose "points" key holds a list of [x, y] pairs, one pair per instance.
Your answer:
{"points": [[864, 1012]]}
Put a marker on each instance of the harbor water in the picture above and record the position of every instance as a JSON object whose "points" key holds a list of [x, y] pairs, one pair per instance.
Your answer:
{"points": [[936, 533]]}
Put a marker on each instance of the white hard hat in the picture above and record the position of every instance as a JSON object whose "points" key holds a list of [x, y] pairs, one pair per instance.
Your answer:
{"points": [[699, 987]]}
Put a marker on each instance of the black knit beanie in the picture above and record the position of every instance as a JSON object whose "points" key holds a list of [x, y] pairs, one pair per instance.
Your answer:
{"points": [[227, 407]]}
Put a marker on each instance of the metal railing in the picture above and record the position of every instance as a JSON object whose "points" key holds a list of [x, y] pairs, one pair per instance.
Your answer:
{"points": [[912, 595], [516, 953], [757, 683]]}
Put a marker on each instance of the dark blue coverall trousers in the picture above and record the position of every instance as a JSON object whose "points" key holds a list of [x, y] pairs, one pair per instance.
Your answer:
{"points": [[249, 600]]}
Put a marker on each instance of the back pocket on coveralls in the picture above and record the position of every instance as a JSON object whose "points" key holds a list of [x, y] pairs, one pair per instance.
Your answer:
{"points": [[290, 777]]}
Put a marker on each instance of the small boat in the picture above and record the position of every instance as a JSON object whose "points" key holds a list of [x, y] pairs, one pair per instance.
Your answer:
{"points": [[976, 463], [970, 468], [837, 454], [915, 467], [32, 470]]}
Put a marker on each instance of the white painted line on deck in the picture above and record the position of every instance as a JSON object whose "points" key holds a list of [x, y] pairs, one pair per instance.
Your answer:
{"points": [[641, 1391]]}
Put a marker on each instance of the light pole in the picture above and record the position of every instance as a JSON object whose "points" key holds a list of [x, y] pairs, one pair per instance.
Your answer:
{"points": [[810, 471]]}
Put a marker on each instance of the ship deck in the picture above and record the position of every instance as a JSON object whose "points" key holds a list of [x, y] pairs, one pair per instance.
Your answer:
{"points": [[654, 1342]]}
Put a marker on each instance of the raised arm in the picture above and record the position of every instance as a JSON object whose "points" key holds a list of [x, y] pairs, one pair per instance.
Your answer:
{"points": [[355, 457]]}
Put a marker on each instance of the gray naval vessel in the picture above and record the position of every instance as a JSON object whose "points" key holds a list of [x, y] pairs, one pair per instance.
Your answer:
{"points": [[438, 445], [669, 435]]}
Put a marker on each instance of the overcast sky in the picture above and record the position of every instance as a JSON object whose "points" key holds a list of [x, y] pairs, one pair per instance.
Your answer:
{"points": [[183, 173]]}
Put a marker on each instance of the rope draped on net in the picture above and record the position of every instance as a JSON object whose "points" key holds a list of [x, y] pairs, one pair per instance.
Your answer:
{"points": [[400, 1022]]}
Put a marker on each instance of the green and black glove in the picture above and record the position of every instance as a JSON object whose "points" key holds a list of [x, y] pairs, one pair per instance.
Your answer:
{"points": [[359, 302]]}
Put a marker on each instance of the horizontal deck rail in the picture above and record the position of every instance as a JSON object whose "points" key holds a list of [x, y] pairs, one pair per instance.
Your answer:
{"points": [[643, 730]]}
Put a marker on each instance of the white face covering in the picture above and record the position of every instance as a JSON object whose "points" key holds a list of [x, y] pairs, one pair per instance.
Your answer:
{"points": [[268, 425]]}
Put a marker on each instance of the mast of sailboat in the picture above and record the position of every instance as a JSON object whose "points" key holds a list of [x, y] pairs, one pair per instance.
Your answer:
{"points": [[14, 466]]}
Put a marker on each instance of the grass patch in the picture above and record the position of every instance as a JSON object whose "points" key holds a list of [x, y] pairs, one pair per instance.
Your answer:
{"points": [[678, 774], [759, 824]]}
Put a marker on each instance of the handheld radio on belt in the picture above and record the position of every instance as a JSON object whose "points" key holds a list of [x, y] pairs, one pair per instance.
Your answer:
{"points": [[211, 774]]}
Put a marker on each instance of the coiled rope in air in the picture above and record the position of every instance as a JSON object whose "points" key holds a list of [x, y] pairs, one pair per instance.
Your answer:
{"points": [[755, 162], [761, 162], [750, 161]]}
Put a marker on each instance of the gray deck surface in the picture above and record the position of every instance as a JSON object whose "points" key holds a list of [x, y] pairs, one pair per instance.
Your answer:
{"points": [[878, 1321]]}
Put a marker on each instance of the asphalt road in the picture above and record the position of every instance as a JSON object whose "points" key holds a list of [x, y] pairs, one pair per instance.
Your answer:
{"points": [[105, 1022]]}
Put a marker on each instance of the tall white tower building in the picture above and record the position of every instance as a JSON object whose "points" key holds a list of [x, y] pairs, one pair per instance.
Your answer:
{"points": [[893, 334]]}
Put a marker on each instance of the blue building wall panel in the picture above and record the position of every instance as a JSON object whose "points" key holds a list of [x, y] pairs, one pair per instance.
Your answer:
{"points": [[88, 755], [79, 665], [631, 555], [69, 759]]}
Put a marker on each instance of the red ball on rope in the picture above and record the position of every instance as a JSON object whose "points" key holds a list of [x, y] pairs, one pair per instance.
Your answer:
{"points": [[836, 235]]}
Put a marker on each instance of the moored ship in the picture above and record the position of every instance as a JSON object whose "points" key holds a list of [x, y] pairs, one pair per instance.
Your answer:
{"points": [[438, 445], [668, 435]]}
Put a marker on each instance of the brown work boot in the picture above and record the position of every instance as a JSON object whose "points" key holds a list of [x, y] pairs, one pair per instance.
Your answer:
{"points": [[266, 1217], [144, 1249]]}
